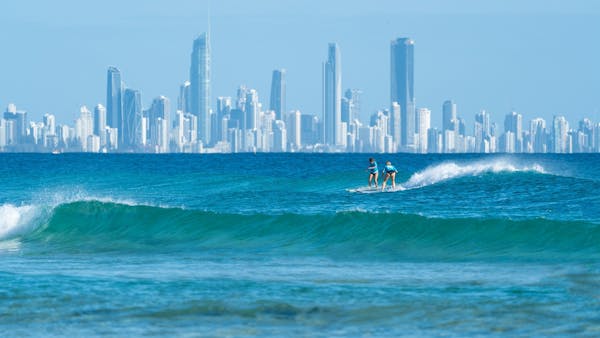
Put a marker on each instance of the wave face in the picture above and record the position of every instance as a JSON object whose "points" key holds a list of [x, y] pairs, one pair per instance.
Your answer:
{"points": [[94, 226]]}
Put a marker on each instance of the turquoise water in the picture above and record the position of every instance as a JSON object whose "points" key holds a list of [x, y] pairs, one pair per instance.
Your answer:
{"points": [[287, 245]]}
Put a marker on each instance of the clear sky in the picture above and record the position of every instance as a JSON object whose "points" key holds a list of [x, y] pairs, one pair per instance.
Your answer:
{"points": [[539, 58]]}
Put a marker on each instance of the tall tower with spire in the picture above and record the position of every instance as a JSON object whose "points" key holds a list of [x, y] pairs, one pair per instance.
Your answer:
{"points": [[200, 85], [332, 97]]}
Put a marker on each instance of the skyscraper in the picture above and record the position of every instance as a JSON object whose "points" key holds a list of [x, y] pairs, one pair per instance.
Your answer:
{"points": [[351, 105], [158, 120], [100, 123], [183, 102], [114, 98], [537, 133], [402, 87], [449, 115], [17, 133], [423, 125], [200, 85], [224, 106], [84, 127], [49, 131], [252, 109], [513, 123], [395, 127], [332, 97], [560, 131], [132, 119], [483, 131], [295, 129], [278, 93]]}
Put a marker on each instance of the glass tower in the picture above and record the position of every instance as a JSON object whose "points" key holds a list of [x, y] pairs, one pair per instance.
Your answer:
{"points": [[114, 99], [200, 85], [402, 87], [132, 117], [278, 93], [332, 97]]}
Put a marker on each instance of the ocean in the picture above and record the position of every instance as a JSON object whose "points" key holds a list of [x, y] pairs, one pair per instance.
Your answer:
{"points": [[245, 245]]}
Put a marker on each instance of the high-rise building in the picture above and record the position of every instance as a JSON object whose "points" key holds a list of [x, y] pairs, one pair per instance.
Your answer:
{"points": [[351, 105], [2, 133], [434, 141], [224, 105], [483, 117], [114, 98], [537, 134], [586, 127], [560, 133], [279, 136], [332, 97], [309, 129], [84, 127], [449, 120], [241, 97], [100, 123], [132, 119], [395, 122], [278, 93], [183, 101], [402, 87], [294, 129], [513, 122], [219, 130], [596, 138], [482, 132], [200, 86], [158, 122], [252, 109], [423, 125], [449, 115], [50, 124], [17, 125]]}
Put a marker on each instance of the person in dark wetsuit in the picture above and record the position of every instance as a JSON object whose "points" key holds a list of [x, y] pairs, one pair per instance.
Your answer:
{"points": [[373, 172], [389, 171]]}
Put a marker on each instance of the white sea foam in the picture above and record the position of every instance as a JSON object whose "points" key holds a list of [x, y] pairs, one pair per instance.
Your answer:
{"points": [[451, 170], [17, 220]]}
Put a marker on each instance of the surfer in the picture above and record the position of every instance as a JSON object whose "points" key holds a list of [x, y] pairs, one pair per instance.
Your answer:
{"points": [[373, 172], [390, 172]]}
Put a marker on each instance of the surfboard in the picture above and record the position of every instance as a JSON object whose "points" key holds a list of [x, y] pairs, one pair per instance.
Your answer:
{"points": [[365, 190], [373, 190]]}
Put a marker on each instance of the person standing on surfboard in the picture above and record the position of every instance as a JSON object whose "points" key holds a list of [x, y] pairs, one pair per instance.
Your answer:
{"points": [[373, 172], [390, 172]]}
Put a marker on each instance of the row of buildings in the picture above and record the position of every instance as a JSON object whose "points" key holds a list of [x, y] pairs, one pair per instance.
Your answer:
{"points": [[240, 123]]}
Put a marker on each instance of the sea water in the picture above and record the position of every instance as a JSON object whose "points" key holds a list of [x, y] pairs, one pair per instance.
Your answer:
{"points": [[286, 245]]}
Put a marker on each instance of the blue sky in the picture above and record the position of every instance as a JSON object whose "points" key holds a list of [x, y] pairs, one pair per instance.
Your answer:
{"points": [[539, 58]]}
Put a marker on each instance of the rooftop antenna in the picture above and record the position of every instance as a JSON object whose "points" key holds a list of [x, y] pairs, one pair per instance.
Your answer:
{"points": [[208, 19]]}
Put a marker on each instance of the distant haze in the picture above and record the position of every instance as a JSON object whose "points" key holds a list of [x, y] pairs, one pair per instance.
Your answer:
{"points": [[538, 58]]}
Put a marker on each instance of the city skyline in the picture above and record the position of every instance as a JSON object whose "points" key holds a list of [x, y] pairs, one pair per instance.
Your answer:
{"points": [[473, 64], [243, 124]]}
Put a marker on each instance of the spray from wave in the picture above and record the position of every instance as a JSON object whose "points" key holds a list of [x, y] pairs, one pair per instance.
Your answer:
{"points": [[18, 220], [451, 170]]}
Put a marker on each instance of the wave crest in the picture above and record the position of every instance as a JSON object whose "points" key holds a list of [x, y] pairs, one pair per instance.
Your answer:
{"points": [[90, 227], [16, 221], [451, 170]]}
